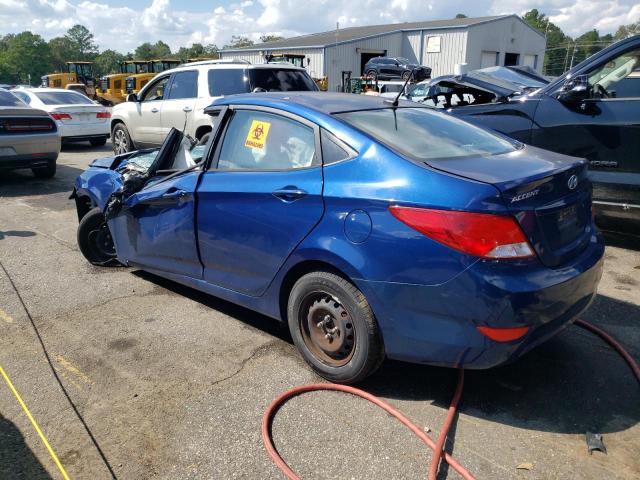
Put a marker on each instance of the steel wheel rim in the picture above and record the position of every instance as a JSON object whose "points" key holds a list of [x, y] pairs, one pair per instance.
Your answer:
{"points": [[101, 241], [327, 329], [120, 141]]}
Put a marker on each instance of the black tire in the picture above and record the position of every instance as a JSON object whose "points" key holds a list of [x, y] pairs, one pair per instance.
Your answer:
{"points": [[328, 299], [405, 75], [98, 142], [45, 172], [121, 139], [94, 239], [372, 74]]}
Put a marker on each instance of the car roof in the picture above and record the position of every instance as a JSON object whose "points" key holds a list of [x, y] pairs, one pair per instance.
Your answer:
{"points": [[231, 64], [323, 102], [40, 89]]}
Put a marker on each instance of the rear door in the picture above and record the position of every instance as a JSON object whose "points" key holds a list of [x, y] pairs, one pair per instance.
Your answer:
{"points": [[260, 199], [179, 101]]}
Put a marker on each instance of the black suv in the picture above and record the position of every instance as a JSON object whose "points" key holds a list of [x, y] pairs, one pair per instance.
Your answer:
{"points": [[390, 67], [593, 112]]}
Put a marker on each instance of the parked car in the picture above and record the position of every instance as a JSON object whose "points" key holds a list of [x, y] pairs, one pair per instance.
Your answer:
{"points": [[79, 119], [29, 138], [488, 85], [395, 67], [371, 230], [177, 98], [594, 112]]}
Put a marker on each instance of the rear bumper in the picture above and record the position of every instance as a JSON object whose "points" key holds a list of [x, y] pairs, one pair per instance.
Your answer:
{"points": [[437, 324], [26, 151], [71, 133]]}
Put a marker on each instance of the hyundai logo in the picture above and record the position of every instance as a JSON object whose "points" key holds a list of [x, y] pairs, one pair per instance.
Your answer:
{"points": [[573, 182]]}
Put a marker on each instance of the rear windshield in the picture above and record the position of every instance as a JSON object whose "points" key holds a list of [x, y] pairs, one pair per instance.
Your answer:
{"points": [[423, 134], [9, 99], [236, 80], [62, 98]]}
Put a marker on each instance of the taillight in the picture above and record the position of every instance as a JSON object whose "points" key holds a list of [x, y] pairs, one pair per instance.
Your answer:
{"points": [[27, 125], [479, 234], [103, 115], [60, 116], [503, 334]]}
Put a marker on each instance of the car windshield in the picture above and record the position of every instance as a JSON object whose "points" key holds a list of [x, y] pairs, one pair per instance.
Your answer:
{"points": [[234, 80], [62, 98], [423, 134], [8, 99]]}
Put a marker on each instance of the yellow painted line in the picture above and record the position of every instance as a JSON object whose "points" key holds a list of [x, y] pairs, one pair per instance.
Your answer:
{"points": [[72, 368], [53, 455], [5, 316]]}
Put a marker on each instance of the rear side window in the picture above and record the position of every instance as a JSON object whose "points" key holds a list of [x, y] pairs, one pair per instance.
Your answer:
{"points": [[423, 134], [227, 82], [333, 150], [23, 96], [263, 141], [183, 85], [62, 98], [281, 80]]}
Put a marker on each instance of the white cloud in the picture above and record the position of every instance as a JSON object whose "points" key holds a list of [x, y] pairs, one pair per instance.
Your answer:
{"points": [[124, 28]]}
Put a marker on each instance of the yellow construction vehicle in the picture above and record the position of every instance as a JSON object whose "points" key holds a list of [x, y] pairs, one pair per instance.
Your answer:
{"points": [[134, 83], [112, 88], [78, 76]]}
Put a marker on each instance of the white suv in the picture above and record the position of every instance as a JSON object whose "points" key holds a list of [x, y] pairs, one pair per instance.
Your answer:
{"points": [[177, 98]]}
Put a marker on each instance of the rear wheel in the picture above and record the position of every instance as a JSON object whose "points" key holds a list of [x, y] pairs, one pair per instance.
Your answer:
{"points": [[47, 171], [372, 75], [94, 239], [333, 327], [121, 139], [405, 75], [98, 142]]}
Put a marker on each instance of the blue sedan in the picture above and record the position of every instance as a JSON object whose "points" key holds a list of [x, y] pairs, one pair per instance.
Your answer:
{"points": [[372, 229]]}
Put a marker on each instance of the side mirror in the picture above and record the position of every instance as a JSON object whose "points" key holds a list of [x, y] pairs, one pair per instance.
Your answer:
{"points": [[575, 90], [132, 97]]}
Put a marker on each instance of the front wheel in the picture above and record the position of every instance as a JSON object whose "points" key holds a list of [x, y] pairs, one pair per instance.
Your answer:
{"points": [[333, 327], [94, 239], [121, 139]]}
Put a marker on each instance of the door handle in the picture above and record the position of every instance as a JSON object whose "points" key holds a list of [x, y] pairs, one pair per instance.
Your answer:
{"points": [[174, 195], [187, 109], [154, 110], [289, 194]]}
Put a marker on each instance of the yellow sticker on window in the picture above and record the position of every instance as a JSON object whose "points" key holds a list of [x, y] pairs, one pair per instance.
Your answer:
{"points": [[257, 135]]}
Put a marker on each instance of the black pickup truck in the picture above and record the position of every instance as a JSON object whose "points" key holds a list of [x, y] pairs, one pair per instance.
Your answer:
{"points": [[593, 111]]}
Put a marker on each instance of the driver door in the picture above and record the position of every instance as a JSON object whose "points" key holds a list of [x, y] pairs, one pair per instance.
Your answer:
{"points": [[146, 126], [604, 128]]}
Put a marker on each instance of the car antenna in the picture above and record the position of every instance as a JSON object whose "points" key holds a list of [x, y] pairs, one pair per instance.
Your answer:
{"points": [[395, 101]]}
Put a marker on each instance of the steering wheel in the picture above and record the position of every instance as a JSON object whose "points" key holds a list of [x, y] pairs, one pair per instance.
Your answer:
{"points": [[602, 91]]}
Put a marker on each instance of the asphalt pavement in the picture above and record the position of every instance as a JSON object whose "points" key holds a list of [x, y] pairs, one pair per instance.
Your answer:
{"points": [[167, 382]]}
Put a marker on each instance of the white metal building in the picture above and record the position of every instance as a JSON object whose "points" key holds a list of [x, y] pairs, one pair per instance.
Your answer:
{"points": [[441, 44]]}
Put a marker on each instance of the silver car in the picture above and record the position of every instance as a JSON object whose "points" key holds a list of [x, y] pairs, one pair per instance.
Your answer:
{"points": [[29, 138]]}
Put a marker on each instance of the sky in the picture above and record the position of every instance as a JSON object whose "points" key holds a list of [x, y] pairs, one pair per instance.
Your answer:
{"points": [[122, 25]]}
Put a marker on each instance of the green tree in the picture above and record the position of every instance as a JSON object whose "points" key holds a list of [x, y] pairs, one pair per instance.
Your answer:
{"points": [[197, 50], [239, 41], [625, 31], [270, 38], [558, 44], [461, 15], [82, 41], [108, 62], [24, 56], [148, 51], [62, 50]]}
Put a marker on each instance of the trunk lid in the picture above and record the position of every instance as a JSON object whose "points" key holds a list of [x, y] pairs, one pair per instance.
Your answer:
{"points": [[549, 195], [80, 114]]}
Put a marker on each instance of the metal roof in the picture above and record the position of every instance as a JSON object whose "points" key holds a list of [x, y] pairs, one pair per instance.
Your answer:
{"points": [[342, 35]]}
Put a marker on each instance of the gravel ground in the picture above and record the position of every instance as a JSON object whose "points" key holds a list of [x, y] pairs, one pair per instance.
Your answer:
{"points": [[172, 383]]}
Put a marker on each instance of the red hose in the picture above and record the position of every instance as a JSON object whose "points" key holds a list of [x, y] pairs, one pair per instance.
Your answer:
{"points": [[635, 368], [438, 446], [290, 474]]}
